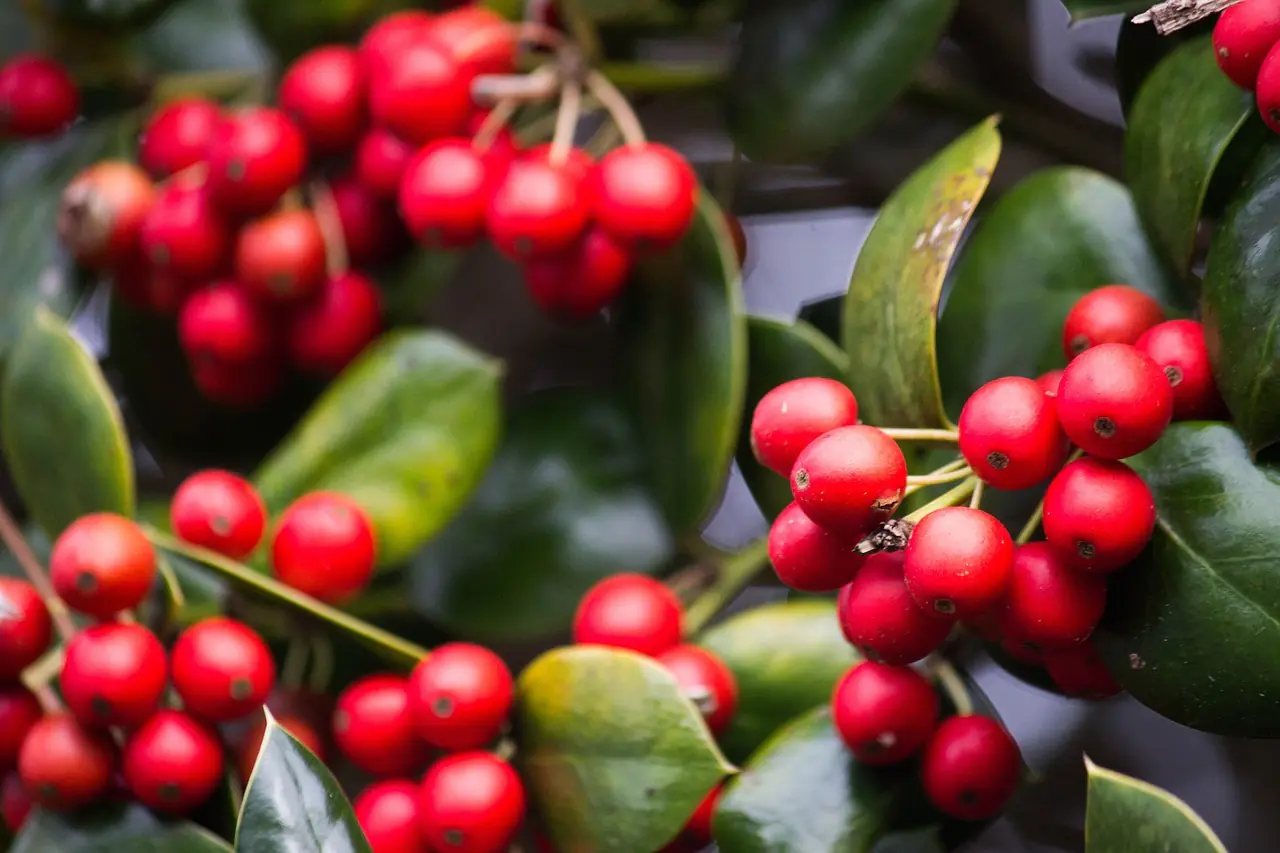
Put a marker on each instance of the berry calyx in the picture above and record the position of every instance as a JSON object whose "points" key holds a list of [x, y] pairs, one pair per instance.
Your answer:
{"points": [[183, 236], [324, 546], [884, 714], [706, 681], [388, 813], [471, 802], [630, 611], [220, 511], [444, 194], [65, 766], [255, 156], [1114, 401], [177, 136], [102, 211], [1079, 673], [807, 557], [1049, 603], [102, 564], [578, 283], [791, 416], [460, 696], [173, 762], [373, 726], [224, 324], [645, 194], [1010, 435], [19, 711], [971, 768], [1115, 314], [114, 674], [326, 333], [380, 162], [323, 91], [850, 479], [222, 670], [25, 627], [958, 562], [1178, 348], [37, 97], [281, 257], [538, 207], [1242, 37], [879, 617], [421, 94], [1099, 514]]}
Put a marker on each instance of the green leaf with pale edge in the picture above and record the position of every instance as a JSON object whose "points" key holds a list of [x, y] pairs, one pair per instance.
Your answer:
{"points": [[615, 758], [1083, 9], [890, 312], [1126, 815], [113, 828]]}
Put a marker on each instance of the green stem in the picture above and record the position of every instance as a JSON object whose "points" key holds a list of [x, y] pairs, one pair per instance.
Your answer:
{"points": [[1033, 523], [975, 500], [948, 435], [941, 477], [733, 576], [651, 78], [957, 495], [952, 684]]}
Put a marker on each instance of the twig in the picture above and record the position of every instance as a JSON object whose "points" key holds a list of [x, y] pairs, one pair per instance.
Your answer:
{"points": [[619, 108], [566, 122], [336, 260], [494, 122], [17, 543], [1173, 15]]}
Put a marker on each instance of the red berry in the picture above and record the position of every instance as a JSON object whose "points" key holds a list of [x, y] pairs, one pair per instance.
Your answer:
{"points": [[884, 714], [1080, 673], [1099, 514], [1268, 90], [25, 627], [791, 416], [808, 558], [177, 136], [1115, 314], [381, 161], [698, 829], [370, 228], [1114, 401], [222, 670], [444, 194], [1178, 348], [324, 92], [504, 148], [173, 763], [460, 696], [1048, 602], [958, 562], [471, 802], [102, 564], [19, 711], [421, 94], [302, 731], [630, 611], [65, 766], [880, 618], [971, 768], [388, 814], [15, 803], [37, 97], [538, 208], [392, 34], [238, 386], [324, 546], [373, 726], [256, 155], [183, 235], [113, 674], [220, 511], [705, 681], [281, 256], [1242, 37], [850, 479], [739, 238], [481, 40], [645, 194], [103, 208], [223, 324], [1010, 435], [1050, 381], [578, 283], [326, 334]]}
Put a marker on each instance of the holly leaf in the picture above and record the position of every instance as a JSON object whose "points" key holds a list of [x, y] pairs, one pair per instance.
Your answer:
{"points": [[615, 758], [1139, 49], [891, 310], [205, 35], [563, 505], [1127, 815], [1084, 9], [111, 828]]}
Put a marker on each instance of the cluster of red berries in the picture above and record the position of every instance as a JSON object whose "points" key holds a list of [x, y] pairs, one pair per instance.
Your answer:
{"points": [[1244, 43], [38, 98]]}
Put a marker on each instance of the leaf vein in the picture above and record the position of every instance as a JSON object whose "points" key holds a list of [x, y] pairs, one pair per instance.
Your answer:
{"points": [[1195, 555]]}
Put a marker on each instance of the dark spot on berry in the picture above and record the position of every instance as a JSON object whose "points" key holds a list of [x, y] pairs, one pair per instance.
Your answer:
{"points": [[871, 654], [281, 283], [887, 504], [170, 791], [1274, 114], [523, 245], [945, 606], [236, 170], [101, 706], [997, 460], [454, 837], [1104, 427], [48, 791], [442, 707], [1175, 375], [1031, 647], [968, 797], [160, 255], [240, 688], [341, 721], [801, 478], [1079, 344], [220, 525], [1085, 549], [871, 747], [87, 583]]}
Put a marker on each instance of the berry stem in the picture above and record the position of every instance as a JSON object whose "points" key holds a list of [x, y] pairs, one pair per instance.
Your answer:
{"points": [[922, 434], [618, 106], [296, 656], [1033, 524], [321, 663], [975, 500], [48, 698], [336, 259], [948, 473], [566, 122], [540, 85], [505, 749], [650, 77], [952, 684], [731, 577], [604, 140], [36, 575], [956, 496], [494, 122]]}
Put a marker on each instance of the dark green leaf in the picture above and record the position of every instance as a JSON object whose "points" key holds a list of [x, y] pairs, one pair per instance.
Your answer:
{"points": [[1126, 815], [616, 759], [205, 35], [891, 309], [1082, 9], [1139, 50], [98, 15], [410, 285], [406, 431], [825, 315], [811, 74], [291, 27], [684, 338], [113, 828]]}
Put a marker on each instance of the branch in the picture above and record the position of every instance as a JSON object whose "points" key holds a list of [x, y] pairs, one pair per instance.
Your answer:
{"points": [[1172, 15]]}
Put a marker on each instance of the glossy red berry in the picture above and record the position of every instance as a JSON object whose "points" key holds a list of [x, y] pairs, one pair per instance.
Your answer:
{"points": [[388, 814], [220, 511], [224, 324], [1115, 314], [850, 479], [15, 803], [958, 562], [884, 714], [481, 40], [1114, 401], [37, 97], [173, 762], [1050, 381], [102, 564], [1080, 673], [791, 416], [807, 557], [630, 611], [222, 670], [183, 236], [392, 34], [444, 194], [370, 228], [1010, 435], [971, 768], [373, 726], [301, 730], [1099, 514], [706, 681], [1049, 603], [325, 334], [177, 136], [1268, 90], [460, 696], [645, 194], [1243, 36], [102, 211], [324, 546], [25, 627], [114, 674], [238, 386], [879, 617], [698, 829], [65, 766], [1178, 348], [281, 257], [421, 94], [19, 711], [256, 155], [471, 802], [538, 208], [380, 162], [323, 91], [578, 283]]}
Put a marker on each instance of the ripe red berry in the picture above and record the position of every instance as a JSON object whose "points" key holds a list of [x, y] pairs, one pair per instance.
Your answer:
{"points": [[1099, 514], [706, 681], [373, 726], [1010, 435], [280, 257], [791, 416], [388, 814], [102, 211], [444, 194], [1268, 90], [1050, 381], [370, 228], [538, 208], [460, 696], [238, 386], [879, 617], [177, 136], [102, 564], [15, 803], [481, 40], [850, 479], [808, 558], [1115, 314], [323, 91], [1242, 38], [224, 324], [1114, 401], [1178, 348], [577, 284], [220, 511], [183, 235], [1080, 673], [645, 194], [25, 627], [392, 34], [324, 546], [37, 97], [630, 611], [1048, 602], [884, 714], [380, 162], [958, 562], [302, 731], [471, 802], [222, 670], [19, 711], [421, 94], [325, 334], [971, 768], [256, 155], [65, 766], [173, 762], [698, 829], [114, 674]]}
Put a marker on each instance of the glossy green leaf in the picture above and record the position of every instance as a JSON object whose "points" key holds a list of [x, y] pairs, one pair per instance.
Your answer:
{"points": [[811, 74], [292, 803], [1208, 582], [787, 658], [291, 27], [1058, 234], [779, 352], [205, 35], [406, 431], [63, 434], [564, 505], [1126, 815], [1139, 49], [890, 312], [113, 828], [100, 15], [684, 340], [1082, 9], [615, 758]]}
